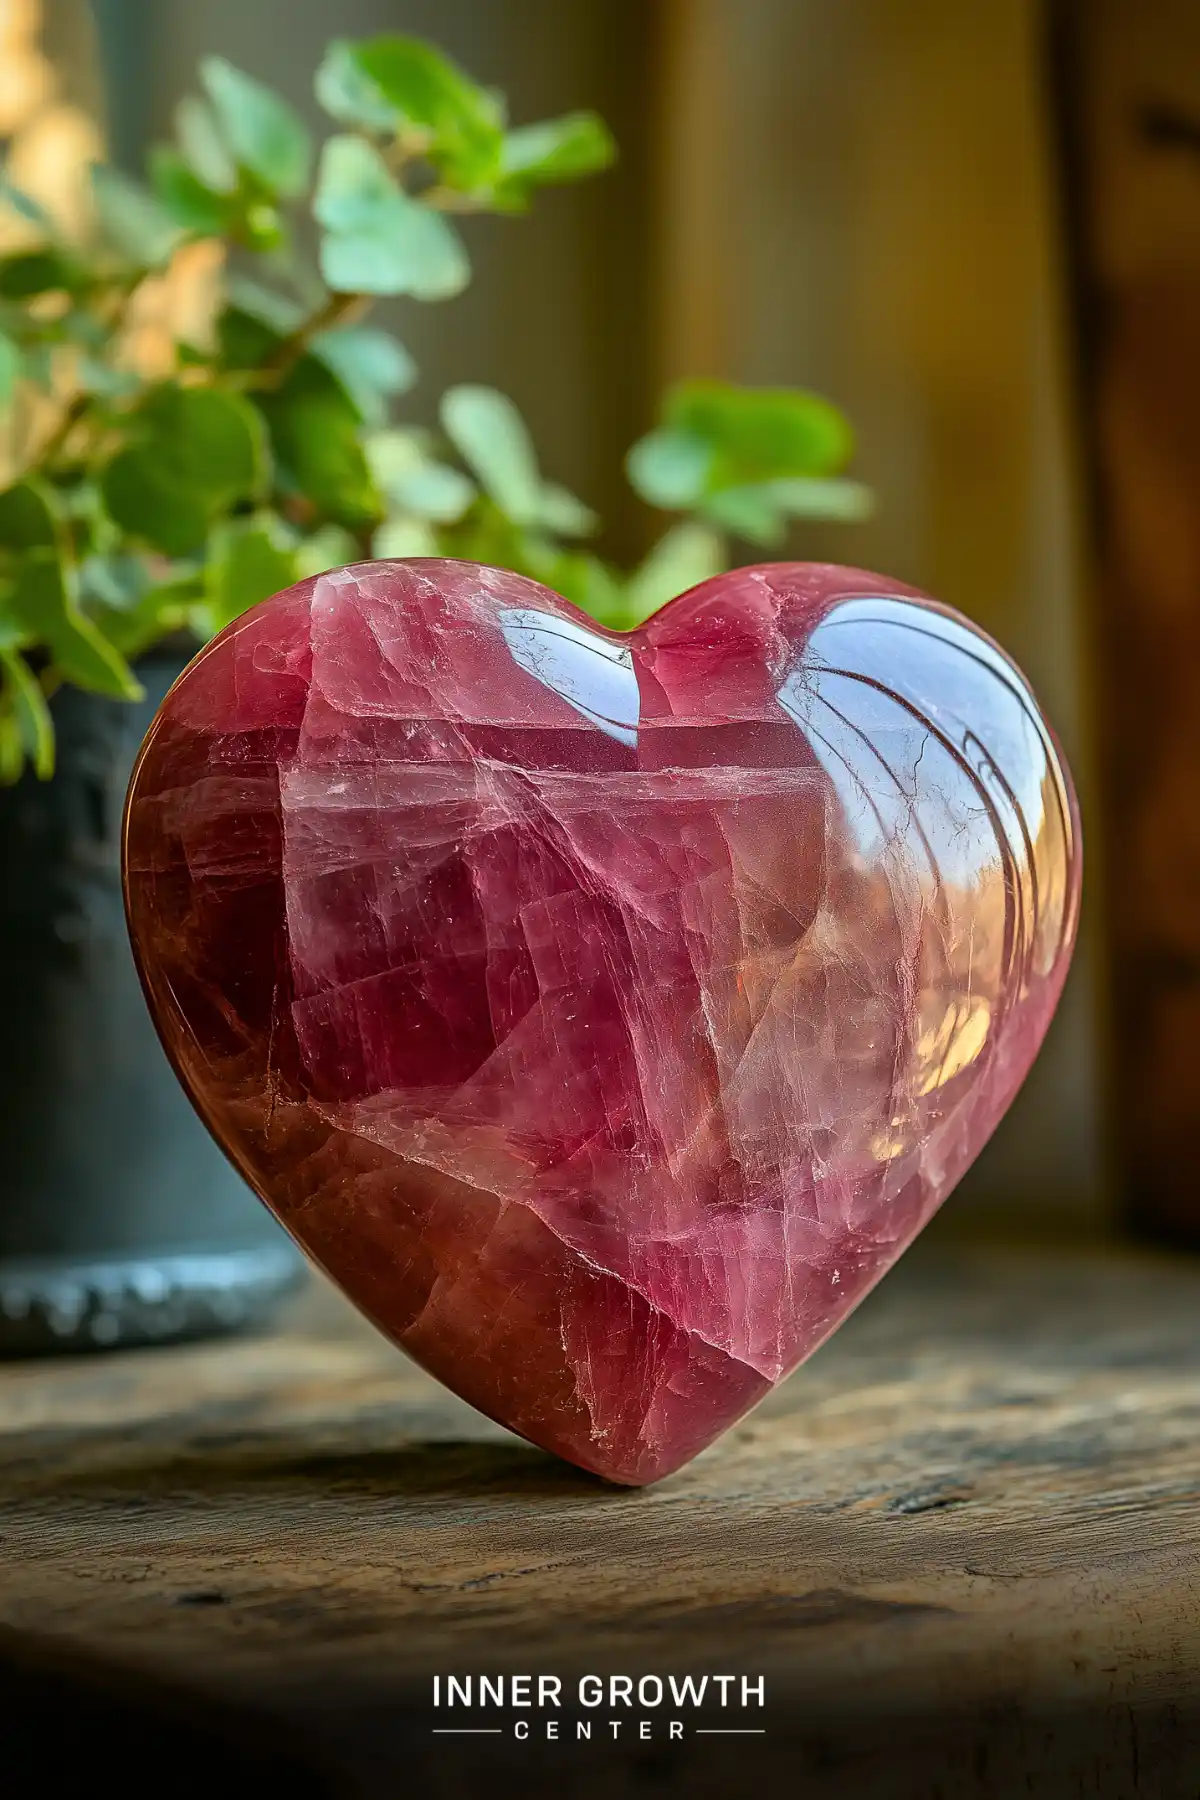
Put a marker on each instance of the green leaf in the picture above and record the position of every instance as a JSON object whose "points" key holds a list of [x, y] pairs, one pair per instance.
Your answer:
{"points": [[422, 259], [29, 516], [589, 583], [12, 750], [484, 535], [43, 601], [207, 438], [560, 512], [348, 94], [759, 434], [377, 239], [415, 482], [184, 197], [758, 511], [491, 437], [23, 694], [149, 502], [809, 497], [670, 469], [749, 512], [160, 610], [278, 312], [313, 421], [195, 451], [420, 84], [682, 558], [118, 582], [315, 431], [461, 123], [245, 338], [131, 220], [266, 136], [13, 633], [30, 272], [399, 538], [203, 147], [247, 562], [433, 491], [326, 549], [556, 150], [371, 365], [10, 368], [393, 454]]}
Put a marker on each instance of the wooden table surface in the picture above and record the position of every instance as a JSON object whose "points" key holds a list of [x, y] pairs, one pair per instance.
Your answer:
{"points": [[959, 1547]]}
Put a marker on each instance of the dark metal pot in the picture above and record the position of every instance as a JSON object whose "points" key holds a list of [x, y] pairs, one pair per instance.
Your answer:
{"points": [[120, 1221]]}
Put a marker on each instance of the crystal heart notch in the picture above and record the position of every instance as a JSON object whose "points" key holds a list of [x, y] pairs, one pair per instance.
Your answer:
{"points": [[605, 1013]]}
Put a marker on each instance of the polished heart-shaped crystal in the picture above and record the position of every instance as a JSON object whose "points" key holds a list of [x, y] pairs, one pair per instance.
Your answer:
{"points": [[604, 1012]]}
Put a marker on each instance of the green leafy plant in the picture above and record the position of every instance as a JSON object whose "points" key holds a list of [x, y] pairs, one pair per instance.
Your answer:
{"points": [[148, 499]]}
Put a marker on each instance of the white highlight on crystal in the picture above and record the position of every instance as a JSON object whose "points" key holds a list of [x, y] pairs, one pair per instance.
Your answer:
{"points": [[592, 675]]}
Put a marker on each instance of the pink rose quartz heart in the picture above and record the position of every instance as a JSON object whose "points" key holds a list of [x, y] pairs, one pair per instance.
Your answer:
{"points": [[604, 1013]]}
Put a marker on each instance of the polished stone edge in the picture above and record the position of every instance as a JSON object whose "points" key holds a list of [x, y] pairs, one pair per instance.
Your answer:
{"points": [[67, 1305]]}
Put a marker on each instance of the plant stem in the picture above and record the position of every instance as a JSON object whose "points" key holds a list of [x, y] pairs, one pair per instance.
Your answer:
{"points": [[336, 309], [73, 412], [76, 408]]}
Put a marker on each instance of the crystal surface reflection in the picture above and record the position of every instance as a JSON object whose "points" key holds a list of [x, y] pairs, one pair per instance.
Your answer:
{"points": [[605, 1013]]}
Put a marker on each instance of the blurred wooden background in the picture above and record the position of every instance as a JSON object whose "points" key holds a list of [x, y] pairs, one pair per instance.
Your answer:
{"points": [[1128, 88]]}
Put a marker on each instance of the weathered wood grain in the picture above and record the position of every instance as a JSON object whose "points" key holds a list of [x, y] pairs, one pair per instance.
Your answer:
{"points": [[967, 1528]]}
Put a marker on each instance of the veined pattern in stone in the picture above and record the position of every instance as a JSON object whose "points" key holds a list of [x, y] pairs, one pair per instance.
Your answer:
{"points": [[605, 1013]]}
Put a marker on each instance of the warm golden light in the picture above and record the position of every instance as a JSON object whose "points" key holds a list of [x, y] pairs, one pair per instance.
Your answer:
{"points": [[50, 146]]}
